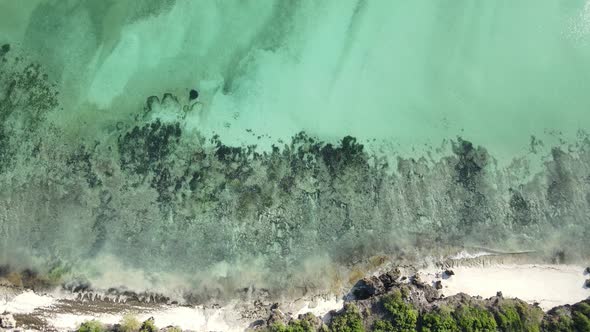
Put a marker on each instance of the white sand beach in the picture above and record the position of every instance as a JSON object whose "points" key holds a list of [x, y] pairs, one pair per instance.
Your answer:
{"points": [[549, 285]]}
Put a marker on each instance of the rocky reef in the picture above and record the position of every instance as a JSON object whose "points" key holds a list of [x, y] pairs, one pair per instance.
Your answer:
{"points": [[146, 192]]}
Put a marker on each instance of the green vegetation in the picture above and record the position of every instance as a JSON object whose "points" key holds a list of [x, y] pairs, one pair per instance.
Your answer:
{"points": [[439, 320], [305, 324], [148, 326], [508, 319], [405, 291], [174, 329], [129, 324], [92, 326], [531, 316], [562, 320], [582, 307], [558, 321], [474, 319], [581, 317], [515, 316], [581, 322], [348, 321], [404, 315], [394, 314], [382, 326], [293, 326]]}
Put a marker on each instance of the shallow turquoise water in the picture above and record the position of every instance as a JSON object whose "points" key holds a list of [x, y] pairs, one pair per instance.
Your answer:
{"points": [[418, 72]]}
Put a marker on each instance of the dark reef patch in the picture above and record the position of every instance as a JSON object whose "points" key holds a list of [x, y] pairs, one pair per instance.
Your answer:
{"points": [[80, 162], [146, 148], [520, 209], [4, 50], [471, 164], [26, 97]]}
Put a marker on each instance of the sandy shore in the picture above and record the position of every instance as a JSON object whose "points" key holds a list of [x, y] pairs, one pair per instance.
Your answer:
{"points": [[62, 313], [549, 285]]}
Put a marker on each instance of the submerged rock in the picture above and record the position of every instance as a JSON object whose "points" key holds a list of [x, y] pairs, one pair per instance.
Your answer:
{"points": [[193, 94], [4, 49]]}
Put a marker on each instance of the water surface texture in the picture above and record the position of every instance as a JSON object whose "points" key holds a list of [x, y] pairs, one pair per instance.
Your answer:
{"points": [[324, 133]]}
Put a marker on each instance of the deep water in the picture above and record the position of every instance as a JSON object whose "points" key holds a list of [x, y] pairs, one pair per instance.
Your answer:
{"points": [[324, 134]]}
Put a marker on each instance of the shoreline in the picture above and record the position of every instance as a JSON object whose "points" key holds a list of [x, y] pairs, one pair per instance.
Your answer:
{"points": [[563, 285]]}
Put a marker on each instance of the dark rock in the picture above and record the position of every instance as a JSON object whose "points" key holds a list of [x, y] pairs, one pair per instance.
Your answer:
{"points": [[368, 287], [81, 287], [416, 281], [430, 293], [587, 283], [193, 94], [257, 324], [587, 271], [499, 294], [389, 279], [276, 316], [7, 321], [449, 273], [438, 284], [131, 296]]}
